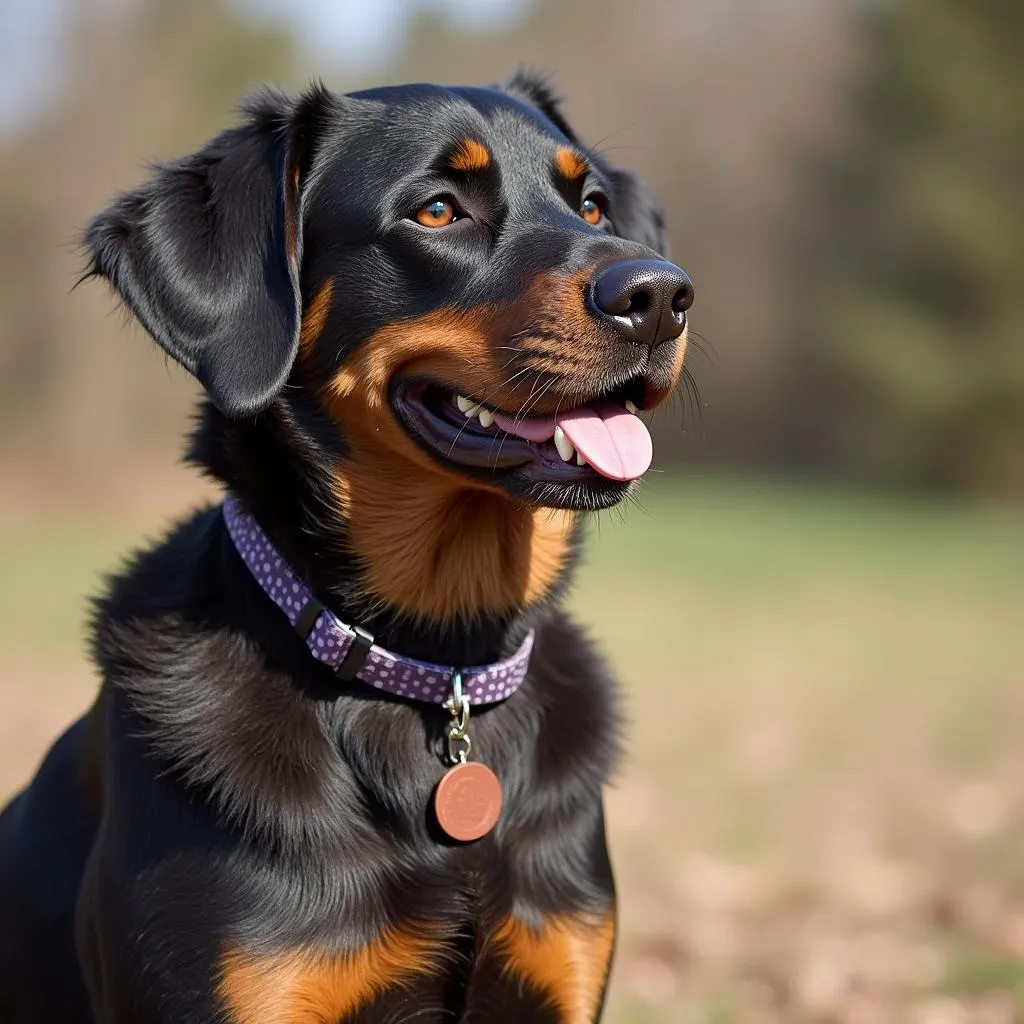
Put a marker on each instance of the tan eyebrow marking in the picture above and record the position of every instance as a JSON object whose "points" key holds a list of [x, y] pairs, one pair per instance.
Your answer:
{"points": [[470, 155], [569, 163]]}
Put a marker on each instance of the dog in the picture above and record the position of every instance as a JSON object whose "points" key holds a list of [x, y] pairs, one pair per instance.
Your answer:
{"points": [[347, 759]]}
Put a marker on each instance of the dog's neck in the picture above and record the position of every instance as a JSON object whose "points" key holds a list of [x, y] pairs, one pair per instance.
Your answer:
{"points": [[433, 570]]}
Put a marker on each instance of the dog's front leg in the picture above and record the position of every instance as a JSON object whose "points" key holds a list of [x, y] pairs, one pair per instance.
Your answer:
{"points": [[565, 957]]}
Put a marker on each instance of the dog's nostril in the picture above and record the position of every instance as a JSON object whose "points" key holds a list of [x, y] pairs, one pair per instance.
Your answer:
{"points": [[639, 302], [683, 299]]}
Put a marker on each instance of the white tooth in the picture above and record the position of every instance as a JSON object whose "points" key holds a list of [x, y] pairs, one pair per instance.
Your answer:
{"points": [[466, 405], [631, 407], [580, 461], [486, 417], [564, 445]]}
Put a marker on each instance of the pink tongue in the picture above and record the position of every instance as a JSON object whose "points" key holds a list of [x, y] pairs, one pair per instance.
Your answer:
{"points": [[615, 442]]}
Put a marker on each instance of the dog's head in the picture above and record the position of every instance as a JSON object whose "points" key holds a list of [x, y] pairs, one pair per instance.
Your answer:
{"points": [[464, 286], [468, 303]]}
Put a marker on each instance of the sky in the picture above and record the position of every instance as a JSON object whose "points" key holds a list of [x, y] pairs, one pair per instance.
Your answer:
{"points": [[361, 31], [356, 32], [28, 34]]}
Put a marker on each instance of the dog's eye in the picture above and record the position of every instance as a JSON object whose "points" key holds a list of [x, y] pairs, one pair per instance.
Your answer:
{"points": [[438, 213], [593, 207]]}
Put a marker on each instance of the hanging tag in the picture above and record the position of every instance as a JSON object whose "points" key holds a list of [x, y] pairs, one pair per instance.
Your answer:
{"points": [[468, 798], [467, 801]]}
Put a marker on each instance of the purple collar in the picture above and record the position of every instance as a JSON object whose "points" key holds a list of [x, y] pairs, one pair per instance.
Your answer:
{"points": [[350, 650]]}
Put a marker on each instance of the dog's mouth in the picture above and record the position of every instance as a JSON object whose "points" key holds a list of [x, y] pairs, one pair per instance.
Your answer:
{"points": [[600, 443]]}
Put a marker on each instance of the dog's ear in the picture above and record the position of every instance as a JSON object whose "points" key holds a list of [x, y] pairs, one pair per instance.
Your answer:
{"points": [[206, 253], [536, 90], [636, 213]]}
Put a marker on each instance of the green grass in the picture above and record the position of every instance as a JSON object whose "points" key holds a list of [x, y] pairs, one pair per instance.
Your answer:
{"points": [[50, 571], [746, 533], [977, 971]]}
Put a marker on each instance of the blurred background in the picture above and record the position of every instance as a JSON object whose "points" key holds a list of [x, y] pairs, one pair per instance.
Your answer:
{"points": [[821, 814]]}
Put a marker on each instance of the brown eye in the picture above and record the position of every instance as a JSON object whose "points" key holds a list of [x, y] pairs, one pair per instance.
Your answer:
{"points": [[438, 213], [592, 208]]}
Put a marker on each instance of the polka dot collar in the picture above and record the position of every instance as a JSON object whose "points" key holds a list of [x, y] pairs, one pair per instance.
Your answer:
{"points": [[350, 650]]}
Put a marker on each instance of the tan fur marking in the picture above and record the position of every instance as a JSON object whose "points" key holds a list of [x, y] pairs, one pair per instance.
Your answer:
{"points": [[678, 358], [680, 353], [567, 958], [569, 163], [302, 986], [441, 552], [432, 544], [470, 156], [315, 315]]}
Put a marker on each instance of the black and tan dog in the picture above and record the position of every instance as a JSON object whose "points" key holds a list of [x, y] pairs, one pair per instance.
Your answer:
{"points": [[424, 318]]}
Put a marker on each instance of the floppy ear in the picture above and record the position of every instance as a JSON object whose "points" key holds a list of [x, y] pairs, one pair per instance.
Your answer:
{"points": [[206, 253]]}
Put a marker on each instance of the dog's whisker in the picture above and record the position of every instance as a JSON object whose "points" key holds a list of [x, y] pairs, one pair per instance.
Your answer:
{"points": [[503, 386], [523, 412], [519, 417]]}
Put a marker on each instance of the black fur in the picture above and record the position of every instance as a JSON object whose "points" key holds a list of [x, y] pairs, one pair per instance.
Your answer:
{"points": [[225, 788]]}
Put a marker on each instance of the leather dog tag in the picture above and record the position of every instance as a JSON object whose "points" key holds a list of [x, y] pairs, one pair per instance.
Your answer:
{"points": [[467, 801]]}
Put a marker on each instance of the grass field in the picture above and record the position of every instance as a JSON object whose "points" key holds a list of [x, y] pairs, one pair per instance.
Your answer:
{"points": [[821, 814]]}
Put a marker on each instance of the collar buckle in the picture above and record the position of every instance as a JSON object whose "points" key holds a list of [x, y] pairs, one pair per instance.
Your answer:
{"points": [[355, 656]]}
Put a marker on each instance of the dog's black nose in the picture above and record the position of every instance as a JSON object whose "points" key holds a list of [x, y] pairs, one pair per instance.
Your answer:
{"points": [[647, 299]]}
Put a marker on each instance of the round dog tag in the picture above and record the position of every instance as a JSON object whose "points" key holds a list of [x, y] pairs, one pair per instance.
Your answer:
{"points": [[467, 801]]}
